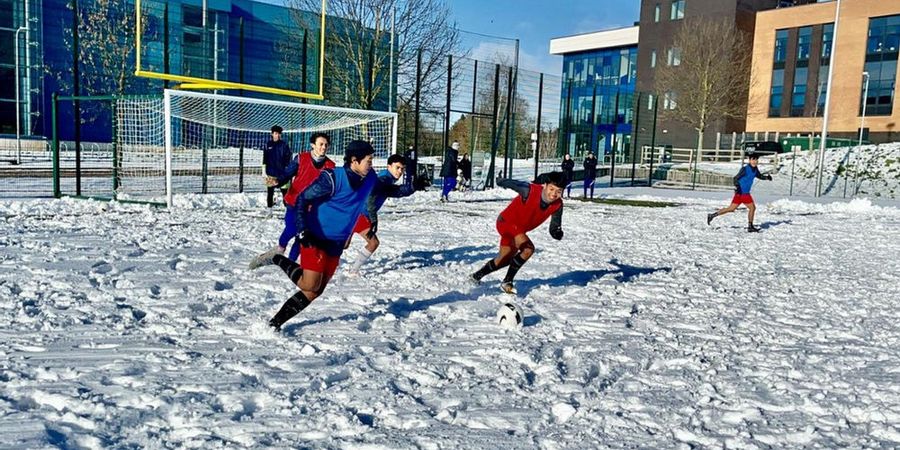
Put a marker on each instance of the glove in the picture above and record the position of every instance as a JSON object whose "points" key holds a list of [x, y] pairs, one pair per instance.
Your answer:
{"points": [[372, 230], [767, 177], [557, 233], [304, 239], [271, 181]]}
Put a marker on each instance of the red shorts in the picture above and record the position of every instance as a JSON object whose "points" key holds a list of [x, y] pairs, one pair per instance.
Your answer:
{"points": [[508, 233], [742, 199], [316, 260], [362, 224]]}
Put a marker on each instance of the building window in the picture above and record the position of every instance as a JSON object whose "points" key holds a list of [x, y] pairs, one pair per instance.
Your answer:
{"points": [[804, 40], [781, 38], [650, 102], [669, 101], [882, 52], [674, 57], [653, 59], [827, 42], [798, 96], [777, 93], [677, 10], [656, 13]]}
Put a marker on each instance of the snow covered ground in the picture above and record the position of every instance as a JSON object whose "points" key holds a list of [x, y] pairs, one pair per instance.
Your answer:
{"points": [[129, 326]]}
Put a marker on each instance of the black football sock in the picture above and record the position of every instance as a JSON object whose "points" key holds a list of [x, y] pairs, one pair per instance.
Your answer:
{"points": [[514, 267], [298, 302], [488, 267], [290, 268]]}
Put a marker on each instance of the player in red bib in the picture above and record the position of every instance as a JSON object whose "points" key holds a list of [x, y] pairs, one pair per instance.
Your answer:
{"points": [[302, 171], [534, 204]]}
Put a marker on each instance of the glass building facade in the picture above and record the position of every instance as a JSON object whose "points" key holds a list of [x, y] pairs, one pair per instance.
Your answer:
{"points": [[882, 51], [598, 101]]}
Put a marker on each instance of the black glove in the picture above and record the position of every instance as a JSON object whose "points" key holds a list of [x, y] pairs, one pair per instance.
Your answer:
{"points": [[372, 230], [556, 233], [767, 177], [305, 239]]}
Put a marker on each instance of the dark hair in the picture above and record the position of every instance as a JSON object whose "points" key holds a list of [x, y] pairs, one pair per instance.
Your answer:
{"points": [[357, 150], [277, 129], [557, 179], [315, 136], [753, 156], [396, 159]]}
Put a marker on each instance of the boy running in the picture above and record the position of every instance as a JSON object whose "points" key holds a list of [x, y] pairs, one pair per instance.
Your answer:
{"points": [[743, 182], [326, 213], [391, 183], [534, 204], [304, 169]]}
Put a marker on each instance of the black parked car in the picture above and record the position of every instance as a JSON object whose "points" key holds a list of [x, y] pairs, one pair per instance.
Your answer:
{"points": [[763, 148]]}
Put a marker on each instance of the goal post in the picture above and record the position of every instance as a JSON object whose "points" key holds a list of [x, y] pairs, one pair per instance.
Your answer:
{"points": [[214, 142]]}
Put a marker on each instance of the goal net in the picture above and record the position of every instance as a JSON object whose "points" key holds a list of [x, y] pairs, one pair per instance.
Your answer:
{"points": [[198, 143]]}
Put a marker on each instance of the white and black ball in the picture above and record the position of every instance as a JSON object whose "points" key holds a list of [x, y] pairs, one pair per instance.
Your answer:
{"points": [[510, 316]]}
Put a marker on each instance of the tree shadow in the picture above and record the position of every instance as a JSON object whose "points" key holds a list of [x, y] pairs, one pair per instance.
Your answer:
{"points": [[624, 274]]}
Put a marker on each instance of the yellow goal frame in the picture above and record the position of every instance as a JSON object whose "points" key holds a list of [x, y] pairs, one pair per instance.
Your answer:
{"points": [[206, 83]]}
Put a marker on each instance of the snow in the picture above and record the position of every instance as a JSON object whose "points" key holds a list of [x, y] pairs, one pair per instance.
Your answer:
{"points": [[133, 326]]}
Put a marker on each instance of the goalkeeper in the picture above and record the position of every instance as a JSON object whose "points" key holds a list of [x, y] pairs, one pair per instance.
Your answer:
{"points": [[276, 158]]}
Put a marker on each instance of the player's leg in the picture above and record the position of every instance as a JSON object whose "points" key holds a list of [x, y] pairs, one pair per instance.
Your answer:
{"points": [[270, 196], [751, 212], [503, 258], [729, 209], [525, 249], [592, 188], [289, 231], [308, 279], [366, 252]]}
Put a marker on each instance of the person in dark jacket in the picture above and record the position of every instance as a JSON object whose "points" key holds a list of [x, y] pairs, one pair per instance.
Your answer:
{"points": [[276, 157], [327, 210], [391, 184], [568, 169], [743, 182], [411, 167], [590, 173], [448, 170], [534, 204], [465, 169]]}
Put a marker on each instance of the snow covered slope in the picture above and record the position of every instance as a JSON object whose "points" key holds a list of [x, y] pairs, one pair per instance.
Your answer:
{"points": [[127, 326]]}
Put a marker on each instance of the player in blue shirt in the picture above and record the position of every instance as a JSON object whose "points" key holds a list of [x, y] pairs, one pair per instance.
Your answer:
{"points": [[743, 182], [327, 210], [391, 183]]}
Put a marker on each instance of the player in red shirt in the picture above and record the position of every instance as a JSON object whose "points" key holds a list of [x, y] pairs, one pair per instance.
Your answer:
{"points": [[534, 204], [303, 170]]}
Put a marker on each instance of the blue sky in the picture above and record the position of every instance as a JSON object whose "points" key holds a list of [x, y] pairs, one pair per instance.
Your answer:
{"points": [[535, 22]]}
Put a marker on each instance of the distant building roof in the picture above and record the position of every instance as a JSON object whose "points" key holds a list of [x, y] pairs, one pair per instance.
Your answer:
{"points": [[620, 37]]}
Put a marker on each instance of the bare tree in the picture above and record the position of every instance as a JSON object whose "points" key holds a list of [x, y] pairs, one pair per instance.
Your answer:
{"points": [[712, 79], [106, 49], [358, 54]]}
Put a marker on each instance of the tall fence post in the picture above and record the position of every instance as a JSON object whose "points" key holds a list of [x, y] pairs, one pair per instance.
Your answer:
{"points": [[537, 127], [115, 149], [241, 168], [54, 118], [241, 54], [303, 64], [418, 104], [636, 128], [507, 161], [76, 91], [612, 169], [653, 140], [489, 182], [447, 106], [166, 43]]}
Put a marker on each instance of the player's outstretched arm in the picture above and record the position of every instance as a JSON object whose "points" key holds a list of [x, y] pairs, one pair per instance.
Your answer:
{"points": [[521, 187]]}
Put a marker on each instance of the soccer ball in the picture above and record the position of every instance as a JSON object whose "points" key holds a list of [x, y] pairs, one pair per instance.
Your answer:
{"points": [[510, 316]]}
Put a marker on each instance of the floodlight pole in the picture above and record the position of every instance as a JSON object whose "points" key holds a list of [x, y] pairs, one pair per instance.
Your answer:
{"points": [[824, 136], [862, 122], [18, 96]]}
